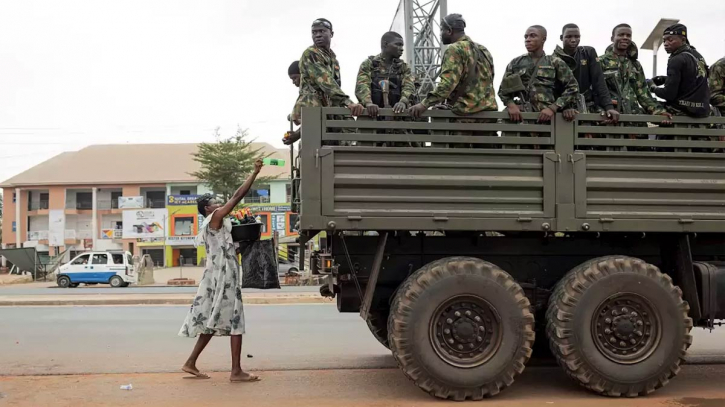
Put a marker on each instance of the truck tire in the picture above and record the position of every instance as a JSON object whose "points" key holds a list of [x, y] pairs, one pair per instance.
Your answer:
{"points": [[378, 324], [618, 326], [461, 328]]}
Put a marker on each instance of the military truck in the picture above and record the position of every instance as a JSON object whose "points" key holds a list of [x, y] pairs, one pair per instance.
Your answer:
{"points": [[606, 242]]}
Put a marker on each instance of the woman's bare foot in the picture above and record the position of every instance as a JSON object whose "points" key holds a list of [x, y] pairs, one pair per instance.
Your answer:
{"points": [[192, 370], [242, 376]]}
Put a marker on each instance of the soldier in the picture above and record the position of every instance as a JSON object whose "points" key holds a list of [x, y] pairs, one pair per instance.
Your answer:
{"points": [[625, 77], [385, 70], [466, 78], [685, 88], [584, 64], [294, 73], [320, 74], [717, 86], [540, 74]]}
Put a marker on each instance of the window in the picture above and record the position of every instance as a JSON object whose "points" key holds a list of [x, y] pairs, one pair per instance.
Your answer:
{"points": [[100, 259], [44, 200], [185, 192], [84, 200], [117, 258], [292, 219], [81, 260], [15, 197], [156, 199], [114, 199], [184, 226]]}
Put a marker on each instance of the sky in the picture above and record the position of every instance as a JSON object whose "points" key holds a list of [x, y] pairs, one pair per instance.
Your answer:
{"points": [[80, 72]]}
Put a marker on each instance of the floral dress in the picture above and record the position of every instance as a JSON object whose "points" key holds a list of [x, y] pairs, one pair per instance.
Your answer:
{"points": [[217, 307]]}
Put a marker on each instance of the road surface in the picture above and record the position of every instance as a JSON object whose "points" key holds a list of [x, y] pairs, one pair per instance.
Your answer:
{"points": [[133, 339], [51, 289]]}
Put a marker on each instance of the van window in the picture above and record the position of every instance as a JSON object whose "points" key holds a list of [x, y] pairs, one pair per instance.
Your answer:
{"points": [[100, 259], [82, 259], [117, 258]]}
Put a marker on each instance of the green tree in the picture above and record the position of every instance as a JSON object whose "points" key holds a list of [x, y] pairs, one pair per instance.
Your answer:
{"points": [[226, 164]]}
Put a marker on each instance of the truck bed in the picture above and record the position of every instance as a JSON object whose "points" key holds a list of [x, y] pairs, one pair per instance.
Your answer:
{"points": [[569, 176]]}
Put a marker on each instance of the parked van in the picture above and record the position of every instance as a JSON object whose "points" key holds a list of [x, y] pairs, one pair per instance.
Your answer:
{"points": [[114, 268]]}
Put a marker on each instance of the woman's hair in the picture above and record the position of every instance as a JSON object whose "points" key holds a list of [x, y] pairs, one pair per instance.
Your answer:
{"points": [[202, 202]]}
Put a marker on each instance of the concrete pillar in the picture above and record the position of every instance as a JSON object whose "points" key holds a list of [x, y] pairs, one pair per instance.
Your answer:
{"points": [[94, 218], [18, 225]]}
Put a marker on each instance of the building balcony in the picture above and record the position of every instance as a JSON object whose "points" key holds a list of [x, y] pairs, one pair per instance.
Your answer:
{"points": [[37, 235], [107, 204], [155, 203], [39, 205]]}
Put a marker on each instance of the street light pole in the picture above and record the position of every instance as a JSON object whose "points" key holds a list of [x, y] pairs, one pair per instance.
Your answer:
{"points": [[654, 40]]}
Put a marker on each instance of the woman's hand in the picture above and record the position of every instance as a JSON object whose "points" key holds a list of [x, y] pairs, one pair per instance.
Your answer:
{"points": [[258, 166]]}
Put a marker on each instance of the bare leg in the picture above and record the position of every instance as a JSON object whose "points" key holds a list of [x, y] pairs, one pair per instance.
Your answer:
{"points": [[239, 375], [190, 365]]}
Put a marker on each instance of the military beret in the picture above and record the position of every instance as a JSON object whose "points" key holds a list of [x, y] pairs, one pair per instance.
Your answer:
{"points": [[676, 29], [323, 22]]}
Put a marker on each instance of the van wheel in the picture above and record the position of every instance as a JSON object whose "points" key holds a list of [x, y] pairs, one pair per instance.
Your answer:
{"points": [[618, 326], [63, 282], [116, 282], [461, 328]]}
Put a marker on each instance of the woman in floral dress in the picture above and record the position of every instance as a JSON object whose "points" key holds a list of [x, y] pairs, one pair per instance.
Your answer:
{"points": [[217, 309]]}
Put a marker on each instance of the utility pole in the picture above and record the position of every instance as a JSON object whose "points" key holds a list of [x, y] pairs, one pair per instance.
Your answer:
{"points": [[418, 21]]}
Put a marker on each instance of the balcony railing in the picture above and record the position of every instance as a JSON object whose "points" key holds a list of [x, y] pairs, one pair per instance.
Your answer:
{"points": [[84, 205], [155, 203], [37, 235], [256, 199], [105, 204], [84, 234], [70, 234], [38, 205]]}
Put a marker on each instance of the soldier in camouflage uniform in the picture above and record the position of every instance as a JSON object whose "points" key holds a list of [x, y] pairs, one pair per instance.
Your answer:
{"points": [[625, 77], [384, 81], [540, 74], [466, 79], [320, 75], [717, 85]]}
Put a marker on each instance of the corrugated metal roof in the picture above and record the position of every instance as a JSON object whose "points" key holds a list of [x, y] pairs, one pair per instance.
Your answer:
{"points": [[129, 164]]}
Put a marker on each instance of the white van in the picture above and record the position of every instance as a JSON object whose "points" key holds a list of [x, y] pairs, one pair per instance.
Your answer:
{"points": [[114, 268]]}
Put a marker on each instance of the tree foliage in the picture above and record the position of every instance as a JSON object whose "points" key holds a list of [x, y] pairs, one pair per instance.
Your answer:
{"points": [[227, 163]]}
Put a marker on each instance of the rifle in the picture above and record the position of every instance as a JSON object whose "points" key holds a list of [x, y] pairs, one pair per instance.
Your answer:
{"points": [[513, 86]]}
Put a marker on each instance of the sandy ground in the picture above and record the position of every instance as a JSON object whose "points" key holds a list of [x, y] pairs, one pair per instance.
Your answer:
{"points": [[697, 386]]}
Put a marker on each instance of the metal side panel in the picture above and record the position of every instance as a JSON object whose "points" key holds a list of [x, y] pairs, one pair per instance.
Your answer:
{"points": [[622, 187], [415, 182]]}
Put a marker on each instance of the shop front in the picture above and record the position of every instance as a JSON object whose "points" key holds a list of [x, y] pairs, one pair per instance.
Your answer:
{"points": [[183, 226]]}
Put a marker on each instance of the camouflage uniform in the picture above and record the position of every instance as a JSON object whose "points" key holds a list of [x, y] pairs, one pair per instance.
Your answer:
{"points": [[626, 82], [717, 85], [540, 80], [319, 81], [478, 96], [369, 90]]}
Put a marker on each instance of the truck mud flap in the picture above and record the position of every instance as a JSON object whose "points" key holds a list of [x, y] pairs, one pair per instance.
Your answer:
{"points": [[711, 281]]}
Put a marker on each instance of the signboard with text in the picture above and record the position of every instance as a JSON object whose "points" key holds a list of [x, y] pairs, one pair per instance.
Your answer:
{"points": [[181, 200], [144, 223], [130, 202]]}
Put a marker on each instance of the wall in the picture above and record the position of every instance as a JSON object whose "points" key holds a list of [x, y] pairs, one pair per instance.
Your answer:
{"points": [[109, 221], [57, 197], [108, 245], [202, 189], [278, 192], [8, 216], [38, 223], [176, 190]]}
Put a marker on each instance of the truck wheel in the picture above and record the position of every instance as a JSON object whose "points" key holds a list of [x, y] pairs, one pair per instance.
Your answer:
{"points": [[116, 282], [618, 326], [63, 282], [378, 324], [461, 328]]}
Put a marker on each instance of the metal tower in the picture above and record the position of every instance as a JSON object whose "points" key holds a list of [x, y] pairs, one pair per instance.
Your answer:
{"points": [[419, 23]]}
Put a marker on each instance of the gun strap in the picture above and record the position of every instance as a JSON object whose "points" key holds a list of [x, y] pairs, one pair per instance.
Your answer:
{"points": [[471, 74]]}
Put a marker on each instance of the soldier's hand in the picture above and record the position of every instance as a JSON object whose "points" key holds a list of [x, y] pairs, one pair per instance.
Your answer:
{"points": [[372, 109], [546, 115], [356, 109], [569, 114], [612, 116], [417, 110], [399, 107], [668, 120], [659, 80], [514, 112]]}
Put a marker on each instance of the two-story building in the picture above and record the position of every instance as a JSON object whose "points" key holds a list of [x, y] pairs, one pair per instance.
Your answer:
{"points": [[135, 197]]}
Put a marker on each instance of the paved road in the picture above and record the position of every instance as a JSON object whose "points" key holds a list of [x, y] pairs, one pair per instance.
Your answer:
{"points": [[51, 289], [125, 339]]}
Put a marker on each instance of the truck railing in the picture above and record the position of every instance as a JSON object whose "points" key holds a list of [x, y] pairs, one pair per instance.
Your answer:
{"points": [[492, 174]]}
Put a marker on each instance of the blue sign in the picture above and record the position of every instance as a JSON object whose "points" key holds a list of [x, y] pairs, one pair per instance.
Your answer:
{"points": [[181, 200]]}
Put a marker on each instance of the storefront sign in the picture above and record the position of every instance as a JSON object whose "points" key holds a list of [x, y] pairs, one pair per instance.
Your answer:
{"points": [[146, 223], [269, 208], [179, 200], [130, 202], [180, 240]]}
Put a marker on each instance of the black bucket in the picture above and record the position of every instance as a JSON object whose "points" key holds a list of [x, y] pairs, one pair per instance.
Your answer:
{"points": [[247, 232]]}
